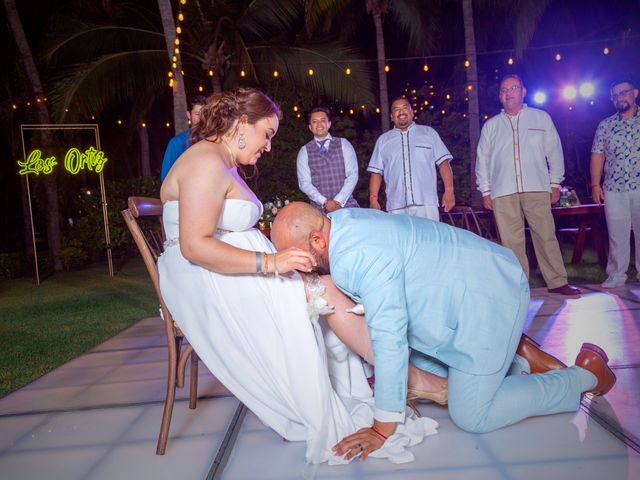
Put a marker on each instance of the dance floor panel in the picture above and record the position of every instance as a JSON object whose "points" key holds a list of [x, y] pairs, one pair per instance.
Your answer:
{"points": [[97, 417]]}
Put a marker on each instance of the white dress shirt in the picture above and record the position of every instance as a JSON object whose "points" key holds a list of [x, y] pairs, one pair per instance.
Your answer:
{"points": [[407, 161], [520, 153], [350, 172]]}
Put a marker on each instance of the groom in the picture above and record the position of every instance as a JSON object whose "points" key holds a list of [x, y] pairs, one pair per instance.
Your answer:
{"points": [[454, 301]]}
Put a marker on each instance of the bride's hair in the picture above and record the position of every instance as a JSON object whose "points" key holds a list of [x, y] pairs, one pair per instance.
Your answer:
{"points": [[223, 109]]}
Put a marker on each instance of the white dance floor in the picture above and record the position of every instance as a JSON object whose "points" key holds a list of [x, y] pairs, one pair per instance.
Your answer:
{"points": [[97, 417]]}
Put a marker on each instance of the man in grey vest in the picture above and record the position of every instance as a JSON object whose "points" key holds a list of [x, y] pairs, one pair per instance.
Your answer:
{"points": [[327, 166]]}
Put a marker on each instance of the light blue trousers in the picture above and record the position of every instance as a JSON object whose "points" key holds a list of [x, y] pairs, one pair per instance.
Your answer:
{"points": [[483, 403]]}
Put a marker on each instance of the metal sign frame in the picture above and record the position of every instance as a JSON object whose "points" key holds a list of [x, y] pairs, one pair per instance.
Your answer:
{"points": [[36, 127]]}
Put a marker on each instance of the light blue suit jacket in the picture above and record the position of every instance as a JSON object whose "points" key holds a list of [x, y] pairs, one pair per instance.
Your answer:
{"points": [[440, 290]]}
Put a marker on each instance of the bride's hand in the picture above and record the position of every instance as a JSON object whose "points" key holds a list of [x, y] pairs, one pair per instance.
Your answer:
{"points": [[292, 259]]}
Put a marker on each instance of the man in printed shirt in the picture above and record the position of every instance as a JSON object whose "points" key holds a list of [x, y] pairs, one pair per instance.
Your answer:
{"points": [[407, 156], [616, 147], [327, 166], [518, 171]]}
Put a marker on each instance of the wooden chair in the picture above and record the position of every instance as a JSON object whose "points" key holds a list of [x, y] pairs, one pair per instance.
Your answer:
{"points": [[465, 217], [144, 219]]}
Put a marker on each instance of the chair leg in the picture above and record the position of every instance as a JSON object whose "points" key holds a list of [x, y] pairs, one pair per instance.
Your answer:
{"points": [[193, 387], [170, 397]]}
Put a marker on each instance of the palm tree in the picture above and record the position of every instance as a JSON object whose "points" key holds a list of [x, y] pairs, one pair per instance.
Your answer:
{"points": [[43, 117], [377, 8], [472, 93], [179, 95], [126, 60]]}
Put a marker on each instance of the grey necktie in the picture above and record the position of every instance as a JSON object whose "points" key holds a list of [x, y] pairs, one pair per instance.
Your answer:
{"points": [[323, 149]]}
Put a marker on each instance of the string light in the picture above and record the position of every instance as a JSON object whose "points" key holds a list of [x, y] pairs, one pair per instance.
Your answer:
{"points": [[467, 64], [470, 87], [119, 122], [168, 124], [558, 57], [351, 112], [200, 88], [377, 109], [386, 68], [181, 17], [144, 125], [178, 29], [275, 73], [606, 50], [425, 67], [348, 71], [510, 61], [447, 96], [242, 73], [295, 108], [310, 71]]}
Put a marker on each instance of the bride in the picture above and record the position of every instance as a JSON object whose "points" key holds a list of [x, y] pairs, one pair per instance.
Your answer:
{"points": [[243, 307]]}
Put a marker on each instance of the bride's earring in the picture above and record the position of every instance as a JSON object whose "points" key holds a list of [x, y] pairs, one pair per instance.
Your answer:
{"points": [[241, 141]]}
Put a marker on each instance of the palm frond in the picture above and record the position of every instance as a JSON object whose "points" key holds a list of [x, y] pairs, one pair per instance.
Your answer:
{"points": [[528, 14], [419, 24], [328, 62], [99, 40], [319, 14], [264, 19], [89, 88]]}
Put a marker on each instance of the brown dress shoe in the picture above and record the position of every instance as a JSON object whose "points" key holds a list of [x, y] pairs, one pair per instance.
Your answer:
{"points": [[565, 290], [594, 359], [539, 361]]}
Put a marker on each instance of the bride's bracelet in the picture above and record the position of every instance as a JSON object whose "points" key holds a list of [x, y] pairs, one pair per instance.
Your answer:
{"points": [[258, 262], [266, 264], [275, 266]]}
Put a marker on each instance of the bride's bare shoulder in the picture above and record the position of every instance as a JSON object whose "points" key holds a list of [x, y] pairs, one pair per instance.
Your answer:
{"points": [[205, 156]]}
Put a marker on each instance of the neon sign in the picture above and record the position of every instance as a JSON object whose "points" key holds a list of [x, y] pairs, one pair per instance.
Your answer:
{"points": [[74, 161]]}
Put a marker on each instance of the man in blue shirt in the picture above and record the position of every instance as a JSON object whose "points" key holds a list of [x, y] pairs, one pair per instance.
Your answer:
{"points": [[178, 144], [446, 300]]}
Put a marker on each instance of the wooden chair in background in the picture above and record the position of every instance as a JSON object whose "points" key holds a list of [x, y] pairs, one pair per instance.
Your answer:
{"points": [[144, 220], [467, 218]]}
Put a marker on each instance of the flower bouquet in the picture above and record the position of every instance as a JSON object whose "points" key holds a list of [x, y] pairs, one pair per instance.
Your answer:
{"points": [[270, 210]]}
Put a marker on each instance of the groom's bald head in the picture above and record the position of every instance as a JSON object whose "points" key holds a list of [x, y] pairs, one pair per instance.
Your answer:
{"points": [[294, 224]]}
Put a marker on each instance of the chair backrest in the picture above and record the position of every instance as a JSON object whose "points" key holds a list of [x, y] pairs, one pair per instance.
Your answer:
{"points": [[144, 220]]}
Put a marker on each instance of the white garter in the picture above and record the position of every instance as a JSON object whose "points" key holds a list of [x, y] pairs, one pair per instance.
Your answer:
{"points": [[317, 305]]}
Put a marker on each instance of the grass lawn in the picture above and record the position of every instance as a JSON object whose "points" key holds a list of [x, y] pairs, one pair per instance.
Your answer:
{"points": [[42, 327]]}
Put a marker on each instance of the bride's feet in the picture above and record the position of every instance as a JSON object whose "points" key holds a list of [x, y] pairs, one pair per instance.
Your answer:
{"points": [[427, 386]]}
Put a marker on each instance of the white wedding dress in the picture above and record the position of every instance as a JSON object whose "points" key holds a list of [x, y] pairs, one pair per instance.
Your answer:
{"points": [[255, 334]]}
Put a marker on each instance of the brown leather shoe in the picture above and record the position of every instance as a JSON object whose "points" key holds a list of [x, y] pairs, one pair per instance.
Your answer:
{"points": [[594, 359], [565, 290], [539, 361]]}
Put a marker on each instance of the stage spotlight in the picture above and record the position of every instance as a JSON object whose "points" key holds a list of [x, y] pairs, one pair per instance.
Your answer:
{"points": [[587, 89], [540, 97], [569, 92]]}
